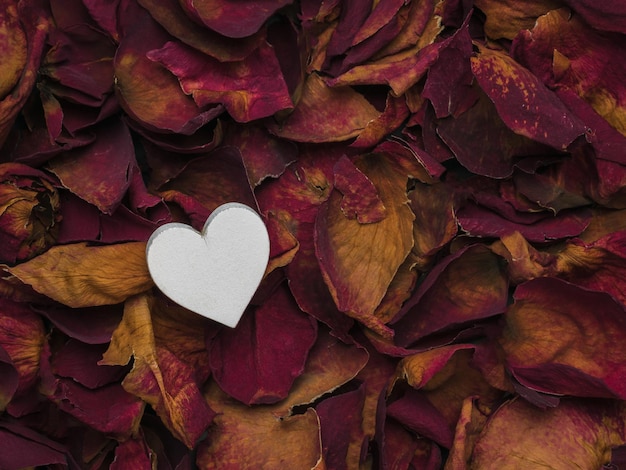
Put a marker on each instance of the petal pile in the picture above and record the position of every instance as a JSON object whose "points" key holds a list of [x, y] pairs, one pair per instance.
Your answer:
{"points": [[444, 187]]}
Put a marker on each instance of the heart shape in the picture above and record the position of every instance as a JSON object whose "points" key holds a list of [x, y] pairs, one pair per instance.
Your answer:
{"points": [[214, 273]]}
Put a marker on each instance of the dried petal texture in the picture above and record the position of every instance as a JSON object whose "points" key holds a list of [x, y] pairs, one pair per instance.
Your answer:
{"points": [[231, 18], [435, 222], [448, 85], [79, 275], [294, 198], [598, 265], [554, 52], [468, 285], [22, 338], [483, 143], [13, 46], [560, 338], [406, 58], [133, 453], [575, 434], [29, 212], [342, 439], [13, 39], [10, 379], [325, 114], [149, 93], [471, 423], [524, 262], [99, 173], [445, 377], [480, 221], [109, 409], [259, 360], [79, 66], [244, 438], [159, 377], [209, 181], [395, 113], [523, 102], [79, 361], [605, 17], [359, 261], [250, 89], [170, 15], [22, 447], [360, 197], [505, 19], [263, 155]]}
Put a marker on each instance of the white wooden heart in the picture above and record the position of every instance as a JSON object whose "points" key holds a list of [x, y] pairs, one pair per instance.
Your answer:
{"points": [[214, 273]]}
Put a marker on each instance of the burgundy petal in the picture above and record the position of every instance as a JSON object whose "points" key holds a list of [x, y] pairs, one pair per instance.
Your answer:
{"points": [[258, 361]]}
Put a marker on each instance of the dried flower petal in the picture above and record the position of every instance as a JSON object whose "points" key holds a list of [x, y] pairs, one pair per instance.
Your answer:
{"points": [[87, 276], [352, 253]]}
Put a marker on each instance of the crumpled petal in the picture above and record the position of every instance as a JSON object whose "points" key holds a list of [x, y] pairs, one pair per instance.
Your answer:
{"points": [[549, 52]]}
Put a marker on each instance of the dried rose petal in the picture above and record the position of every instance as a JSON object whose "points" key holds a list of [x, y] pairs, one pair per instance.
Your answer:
{"points": [[560, 338], [22, 338], [343, 439], [360, 199], [249, 89], [99, 173], [359, 261], [132, 453], [550, 53], [79, 362], [465, 286], [505, 19], [108, 409], [524, 103], [22, 447], [316, 117], [13, 41], [159, 376], [575, 433], [243, 437], [29, 212], [263, 155], [10, 378], [148, 92], [13, 44], [226, 16], [269, 348], [87, 276]]}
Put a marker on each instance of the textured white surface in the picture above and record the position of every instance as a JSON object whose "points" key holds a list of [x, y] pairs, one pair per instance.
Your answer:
{"points": [[214, 273]]}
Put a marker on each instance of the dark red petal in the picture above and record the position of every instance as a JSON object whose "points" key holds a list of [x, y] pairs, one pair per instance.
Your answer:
{"points": [[269, 349]]}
